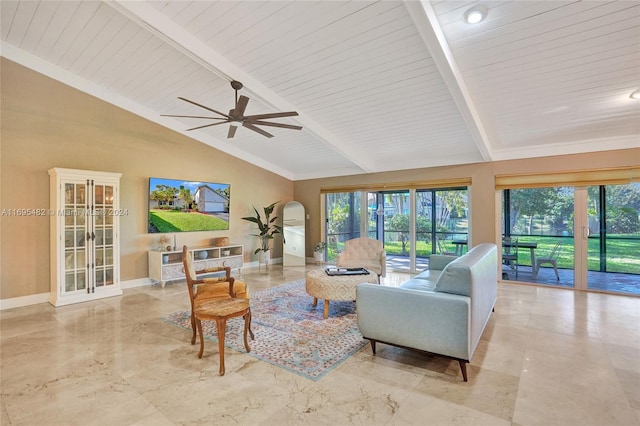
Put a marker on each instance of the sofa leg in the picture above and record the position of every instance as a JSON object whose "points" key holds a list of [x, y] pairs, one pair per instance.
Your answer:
{"points": [[463, 367], [373, 346]]}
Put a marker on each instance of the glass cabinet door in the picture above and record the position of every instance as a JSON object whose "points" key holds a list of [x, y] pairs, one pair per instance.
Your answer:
{"points": [[75, 236], [104, 241]]}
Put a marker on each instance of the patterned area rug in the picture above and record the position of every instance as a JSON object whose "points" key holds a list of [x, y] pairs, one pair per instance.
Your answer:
{"points": [[289, 331]]}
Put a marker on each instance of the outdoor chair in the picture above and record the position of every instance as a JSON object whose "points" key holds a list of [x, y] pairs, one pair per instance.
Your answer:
{"points": [[510, 254], [443, 251], [552, 260]]}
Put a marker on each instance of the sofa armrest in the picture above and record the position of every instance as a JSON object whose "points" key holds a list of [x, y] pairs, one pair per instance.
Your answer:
{"points": [[433, 322]]}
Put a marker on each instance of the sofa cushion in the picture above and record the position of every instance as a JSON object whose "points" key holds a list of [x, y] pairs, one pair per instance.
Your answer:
{"points": [[455, 279], [428, 275], [418, 284]]}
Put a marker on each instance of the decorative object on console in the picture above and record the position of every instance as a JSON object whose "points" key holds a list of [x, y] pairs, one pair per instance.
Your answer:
{"points": [[237, 118], [162, 242], [203, 254], [221, 241], [181, 206]]}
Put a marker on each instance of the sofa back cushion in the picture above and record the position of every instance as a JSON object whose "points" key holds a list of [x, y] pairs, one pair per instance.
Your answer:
{"points": [[455, 279]]}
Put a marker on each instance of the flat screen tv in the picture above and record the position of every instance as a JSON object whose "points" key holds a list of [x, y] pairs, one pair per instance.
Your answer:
{"points": [[183, 206]]}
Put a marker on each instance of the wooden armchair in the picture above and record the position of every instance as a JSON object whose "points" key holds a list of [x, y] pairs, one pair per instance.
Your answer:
{"points": [[216, 299]]}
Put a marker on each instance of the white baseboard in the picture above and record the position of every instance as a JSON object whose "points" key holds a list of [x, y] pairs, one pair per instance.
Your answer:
{"points": [[138, 282], [34, 299], [18, 302]]}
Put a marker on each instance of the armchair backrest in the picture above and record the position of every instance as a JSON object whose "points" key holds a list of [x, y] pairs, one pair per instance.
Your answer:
{"points": [[363, 248], [365, 252], [224, 284]]}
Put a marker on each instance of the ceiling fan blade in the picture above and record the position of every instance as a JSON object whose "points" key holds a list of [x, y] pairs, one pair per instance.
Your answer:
{"points": [[271, 115], [192, 116], [232, 131], [256, 129], [240, 106], [206, 125], [202, 106], [268, 123]]}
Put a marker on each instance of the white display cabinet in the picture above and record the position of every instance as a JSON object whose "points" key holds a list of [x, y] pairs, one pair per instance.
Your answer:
{"points": [[84, 219], [165, 266]]}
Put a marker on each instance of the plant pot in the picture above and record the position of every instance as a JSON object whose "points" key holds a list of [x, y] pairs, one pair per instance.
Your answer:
{"points": [[264, 257], [318, 256]]}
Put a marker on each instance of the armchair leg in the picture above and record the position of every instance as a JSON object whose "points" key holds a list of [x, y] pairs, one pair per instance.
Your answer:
{"points": [[193, 326], [373, 346]]}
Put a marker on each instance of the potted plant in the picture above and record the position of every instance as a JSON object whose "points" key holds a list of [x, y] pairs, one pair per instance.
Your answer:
{"points": [[318, 251], [267, 228]]}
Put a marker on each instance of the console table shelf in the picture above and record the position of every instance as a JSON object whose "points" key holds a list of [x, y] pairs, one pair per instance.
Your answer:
{"points": [[165, 266]]}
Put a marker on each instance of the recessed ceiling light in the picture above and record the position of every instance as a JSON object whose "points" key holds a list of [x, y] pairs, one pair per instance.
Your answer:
{"points": [[635, 94], [475, 14]]}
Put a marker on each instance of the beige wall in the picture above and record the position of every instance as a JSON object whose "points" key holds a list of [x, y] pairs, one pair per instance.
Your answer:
{"points": [[47, 124], [485, 215]]}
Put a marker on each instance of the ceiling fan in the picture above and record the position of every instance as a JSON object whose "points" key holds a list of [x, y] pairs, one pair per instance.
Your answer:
{"points": [[237, 118]]}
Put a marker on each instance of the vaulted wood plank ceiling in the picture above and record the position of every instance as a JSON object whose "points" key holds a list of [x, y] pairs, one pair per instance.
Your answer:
{"points": [[378, 85]]}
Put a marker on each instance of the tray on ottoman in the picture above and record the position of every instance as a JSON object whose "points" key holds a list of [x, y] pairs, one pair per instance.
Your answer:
{"points": [[346, 271]]}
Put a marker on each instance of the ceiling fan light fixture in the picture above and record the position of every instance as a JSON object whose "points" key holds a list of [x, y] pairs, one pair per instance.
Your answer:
{"points": [[475, 15], [635, 94]]}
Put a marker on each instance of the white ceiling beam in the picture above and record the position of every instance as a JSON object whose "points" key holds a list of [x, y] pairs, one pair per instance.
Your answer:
{"points": [[167, 30], [426, 21]]}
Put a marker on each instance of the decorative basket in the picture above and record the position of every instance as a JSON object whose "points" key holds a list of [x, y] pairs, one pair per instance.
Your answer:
{"points": [[221, 241]]}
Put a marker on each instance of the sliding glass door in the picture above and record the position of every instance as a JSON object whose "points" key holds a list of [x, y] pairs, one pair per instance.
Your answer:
{"points": [[413, 224], [613, 238], [342, 221], [540, 222], [582, 237]]}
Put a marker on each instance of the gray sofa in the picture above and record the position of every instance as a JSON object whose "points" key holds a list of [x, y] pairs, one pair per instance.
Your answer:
{"points": [[442, 310]]}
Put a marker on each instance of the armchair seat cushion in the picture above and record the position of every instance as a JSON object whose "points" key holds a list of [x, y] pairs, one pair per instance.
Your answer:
{"points": [[214, 289]]}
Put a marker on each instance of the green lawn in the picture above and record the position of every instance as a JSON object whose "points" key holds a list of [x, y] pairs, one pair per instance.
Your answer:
{"points": [[176, 221], [622, 253]]}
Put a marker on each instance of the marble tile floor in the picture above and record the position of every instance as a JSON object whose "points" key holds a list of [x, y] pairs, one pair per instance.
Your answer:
{"points": [[547, 357]]}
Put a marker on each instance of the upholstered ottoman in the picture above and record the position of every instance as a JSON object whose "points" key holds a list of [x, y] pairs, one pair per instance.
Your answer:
{"points": [[340, 287]]}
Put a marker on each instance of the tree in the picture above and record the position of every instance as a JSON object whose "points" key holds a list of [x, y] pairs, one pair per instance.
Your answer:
{"points": [[399, 223], [531, 202], [185, 196], [163, 194]]}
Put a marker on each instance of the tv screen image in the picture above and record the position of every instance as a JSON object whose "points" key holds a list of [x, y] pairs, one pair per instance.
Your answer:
{"points": [[183, 206]]}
